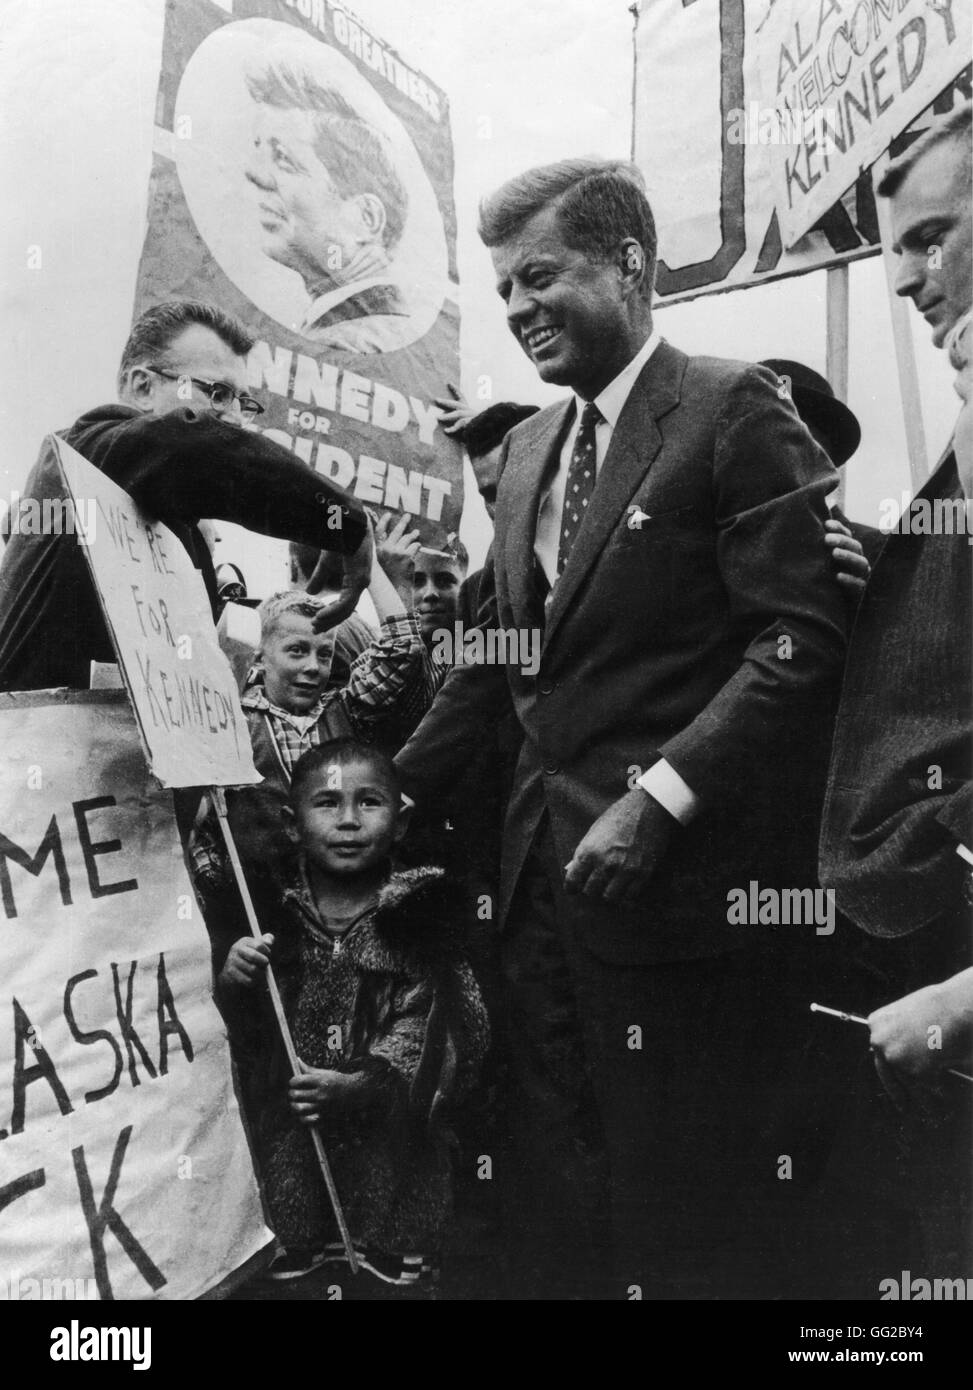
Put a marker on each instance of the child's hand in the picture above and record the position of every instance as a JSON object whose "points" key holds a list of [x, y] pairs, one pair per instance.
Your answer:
{"points": [[317, 1088], [455, 411], [396, 548], [246, 961]]}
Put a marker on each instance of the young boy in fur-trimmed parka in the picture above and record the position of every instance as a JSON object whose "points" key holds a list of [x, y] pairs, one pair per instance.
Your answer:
{"points": [[386, 1018]]}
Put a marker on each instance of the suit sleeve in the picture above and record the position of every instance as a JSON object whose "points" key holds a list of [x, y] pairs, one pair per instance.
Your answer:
{"points": [[471, 699], [770, 484], [186, 465]]}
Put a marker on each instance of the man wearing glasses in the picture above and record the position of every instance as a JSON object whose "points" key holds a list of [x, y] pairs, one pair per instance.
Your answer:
{"points": [[177, 444]]}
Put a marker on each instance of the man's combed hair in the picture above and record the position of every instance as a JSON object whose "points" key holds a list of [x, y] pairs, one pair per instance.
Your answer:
{"points": [[155, 331], [958, 125], [339, 752], [488, 429], [272, 609], [355, 154], [600, 202]]}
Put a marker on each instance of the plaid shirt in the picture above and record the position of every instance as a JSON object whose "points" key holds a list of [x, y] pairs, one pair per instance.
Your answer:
{"points": [[378, 680], [423, 686]]}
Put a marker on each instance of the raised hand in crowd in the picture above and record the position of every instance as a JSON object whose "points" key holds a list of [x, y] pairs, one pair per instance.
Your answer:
{"points": [[246, 961], [851, 568], [455, 411], [396, 547]]}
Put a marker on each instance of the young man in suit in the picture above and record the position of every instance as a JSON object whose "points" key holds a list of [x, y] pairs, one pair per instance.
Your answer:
{"points": [[900, 791], [664, 527]]}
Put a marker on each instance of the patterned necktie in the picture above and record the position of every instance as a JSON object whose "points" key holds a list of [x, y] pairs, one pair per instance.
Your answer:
{"points": [[580, 483]]}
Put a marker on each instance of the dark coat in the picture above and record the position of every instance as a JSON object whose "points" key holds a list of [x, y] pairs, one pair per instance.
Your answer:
{"points": [[412, 1023], [177, 467], [891, 823], [663, 639]]}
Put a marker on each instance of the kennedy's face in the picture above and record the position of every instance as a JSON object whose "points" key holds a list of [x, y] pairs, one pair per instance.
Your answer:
{"points": [[305, 221], [567, 311], [932, 234]]}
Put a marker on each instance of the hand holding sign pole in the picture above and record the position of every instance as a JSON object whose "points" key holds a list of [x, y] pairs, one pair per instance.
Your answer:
{"points": [[187, 706], [219, 802]]}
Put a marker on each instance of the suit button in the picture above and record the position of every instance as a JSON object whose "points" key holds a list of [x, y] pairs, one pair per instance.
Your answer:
{"points": [[546, 686], [551, 769]]}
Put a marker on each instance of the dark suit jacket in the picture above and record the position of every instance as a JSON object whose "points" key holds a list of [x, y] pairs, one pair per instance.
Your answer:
{"points": [[178, 467], [889, 836], [664, 640], [870, 537]]}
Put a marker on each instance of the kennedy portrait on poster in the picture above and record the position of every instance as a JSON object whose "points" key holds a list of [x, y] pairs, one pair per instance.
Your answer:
{"points": [[307, 189]]}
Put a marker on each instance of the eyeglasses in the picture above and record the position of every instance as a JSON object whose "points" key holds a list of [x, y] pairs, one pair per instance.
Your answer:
{"points": [[221, 395]]}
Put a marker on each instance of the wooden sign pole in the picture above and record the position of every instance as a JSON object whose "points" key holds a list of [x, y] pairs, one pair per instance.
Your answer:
{"points": [[836, 345], [219, 803]]}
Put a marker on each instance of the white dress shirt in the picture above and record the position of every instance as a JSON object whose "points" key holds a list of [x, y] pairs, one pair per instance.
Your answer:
{"points": [[610, 403], [662, 782]]}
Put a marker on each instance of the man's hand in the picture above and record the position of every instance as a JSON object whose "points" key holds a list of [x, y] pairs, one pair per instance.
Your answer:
{"points": [[847, 556], [396, 548], [317, 1089], [622, 850], [246, 961], [455, 411], [917, 1037], [356, 572]]}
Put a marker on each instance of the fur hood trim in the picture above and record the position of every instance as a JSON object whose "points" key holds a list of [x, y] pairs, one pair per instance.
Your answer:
{"points": [[414, 926]]}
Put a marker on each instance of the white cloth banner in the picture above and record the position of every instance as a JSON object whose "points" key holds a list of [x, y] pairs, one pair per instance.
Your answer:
{"points": [[844, 79], [124, 1167], [702, 140]]}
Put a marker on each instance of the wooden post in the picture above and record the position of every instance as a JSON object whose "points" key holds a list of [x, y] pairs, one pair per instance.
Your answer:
{"points": [[915, 434], [836, 345], [219, 803]]}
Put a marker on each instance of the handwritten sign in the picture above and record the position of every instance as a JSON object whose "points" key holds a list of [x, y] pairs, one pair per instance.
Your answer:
{"points": [[709, 157], [844, 81], [120, 1137], [184, 693]]}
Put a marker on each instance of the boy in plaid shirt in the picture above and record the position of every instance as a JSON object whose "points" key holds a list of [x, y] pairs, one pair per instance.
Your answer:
{"points": [[289, 710]]}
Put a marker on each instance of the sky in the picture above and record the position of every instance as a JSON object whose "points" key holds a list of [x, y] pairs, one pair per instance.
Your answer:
{"points": [[527, 83]]}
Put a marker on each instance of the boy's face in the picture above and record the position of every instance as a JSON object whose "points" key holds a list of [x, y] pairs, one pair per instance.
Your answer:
{"points": [[348, 818], [435, 591], [296, 662]]}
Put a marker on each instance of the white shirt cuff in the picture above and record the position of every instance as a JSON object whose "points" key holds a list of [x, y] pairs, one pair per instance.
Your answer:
{"points": [[663, 783]]}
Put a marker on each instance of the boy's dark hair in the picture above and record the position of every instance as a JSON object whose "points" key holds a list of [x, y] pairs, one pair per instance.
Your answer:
{"points": [[342, 751], [154, 331], [488, 429]]}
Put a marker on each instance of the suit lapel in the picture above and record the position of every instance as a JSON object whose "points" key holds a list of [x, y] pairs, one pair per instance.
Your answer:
{"points": [[635, 442], [531, 453]]}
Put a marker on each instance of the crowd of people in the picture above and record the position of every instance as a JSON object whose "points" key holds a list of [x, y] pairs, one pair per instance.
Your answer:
{"points": [[496, 896]]}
